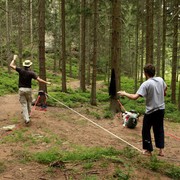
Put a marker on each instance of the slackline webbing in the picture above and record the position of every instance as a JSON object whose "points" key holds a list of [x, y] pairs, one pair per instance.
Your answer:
{"points": [[96, 124]]}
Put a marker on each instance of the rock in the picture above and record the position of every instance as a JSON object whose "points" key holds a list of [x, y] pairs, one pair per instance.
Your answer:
{"points": [[9, 128]]}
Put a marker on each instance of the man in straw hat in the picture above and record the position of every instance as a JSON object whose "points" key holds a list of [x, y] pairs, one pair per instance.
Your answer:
{"points": [[25, 92]]}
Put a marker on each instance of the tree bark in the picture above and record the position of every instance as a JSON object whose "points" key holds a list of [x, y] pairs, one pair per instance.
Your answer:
{"points": [[55, 38], [31, 27], [158, 49], [174, 52], [8, 36], [115, 55], [1, 53], [164, 39], [83, 46], [20, 46], [64, 88], [142, 51], [137, 48], [149, 31], [42, 67], [179, 97], [93, 89], [88, 51]]}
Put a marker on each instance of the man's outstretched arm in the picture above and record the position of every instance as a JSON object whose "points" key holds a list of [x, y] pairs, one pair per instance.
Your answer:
{"points": [[12, 64], [130, 96], [43, 81]]}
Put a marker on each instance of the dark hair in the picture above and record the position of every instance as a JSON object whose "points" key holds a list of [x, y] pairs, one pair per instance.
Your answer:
{"points": [[150, 70]]}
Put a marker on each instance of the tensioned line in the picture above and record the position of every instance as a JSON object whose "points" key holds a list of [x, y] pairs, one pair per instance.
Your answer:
{"points": [[95, 124]]}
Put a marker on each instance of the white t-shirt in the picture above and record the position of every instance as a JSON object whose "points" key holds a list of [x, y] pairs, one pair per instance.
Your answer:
{"points": [[153, 91]]}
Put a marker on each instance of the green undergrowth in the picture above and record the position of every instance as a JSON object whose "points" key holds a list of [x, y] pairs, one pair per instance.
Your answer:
{"points": [[8, 83], [2, 167], [22, 135], [163, 167], [78, 154], [75, 98]]}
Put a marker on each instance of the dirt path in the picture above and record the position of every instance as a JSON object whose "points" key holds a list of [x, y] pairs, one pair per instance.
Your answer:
{"points": [[71, 129]]}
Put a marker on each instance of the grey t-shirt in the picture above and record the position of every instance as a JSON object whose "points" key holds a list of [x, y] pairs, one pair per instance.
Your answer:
{"points": [[153, 91]]}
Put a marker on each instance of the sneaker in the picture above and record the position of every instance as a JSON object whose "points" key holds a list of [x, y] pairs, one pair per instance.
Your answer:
{"points": [[27, 122]]}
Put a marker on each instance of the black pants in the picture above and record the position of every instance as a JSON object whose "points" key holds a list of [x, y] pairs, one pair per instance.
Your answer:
{"points": [[155, 120]]}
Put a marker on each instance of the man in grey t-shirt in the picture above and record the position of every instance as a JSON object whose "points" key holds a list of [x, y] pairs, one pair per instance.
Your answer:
{"points": [[153, 90]]}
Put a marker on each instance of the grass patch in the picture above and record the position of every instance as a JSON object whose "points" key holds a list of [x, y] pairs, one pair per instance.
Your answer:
{"points": [[23, 156], [129, 152], [95, 114], [8, 83], [15, 120], [114, 159], [2, 167], [16, 136], [173, 172], [88, 165], [79, 154], [108, 114], [163, 167], [121, 175], [90, 177], [22, 135], [155, 164], [89, 154], [47, 157]]}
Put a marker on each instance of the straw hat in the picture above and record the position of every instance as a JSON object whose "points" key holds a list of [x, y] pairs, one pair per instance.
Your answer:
{"points": [[27, 63]]}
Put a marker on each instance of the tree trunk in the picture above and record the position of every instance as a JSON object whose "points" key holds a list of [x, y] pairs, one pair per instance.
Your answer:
{"points": [[137, 48], [93, 89], [60, 29], [64, 88], [1, 59], [164, 39], [55, 38], [142, 51], [115, 55], [20, 32], [179, 96], [174, 52], [158, 49], [142, 14], [88, 40], [8, 36], [31, 28], [42, 68], [130, 72], [83, 46], [149, 31]]}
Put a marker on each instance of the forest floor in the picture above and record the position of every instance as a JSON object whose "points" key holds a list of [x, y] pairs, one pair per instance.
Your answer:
{"points": [[71, 128]]}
